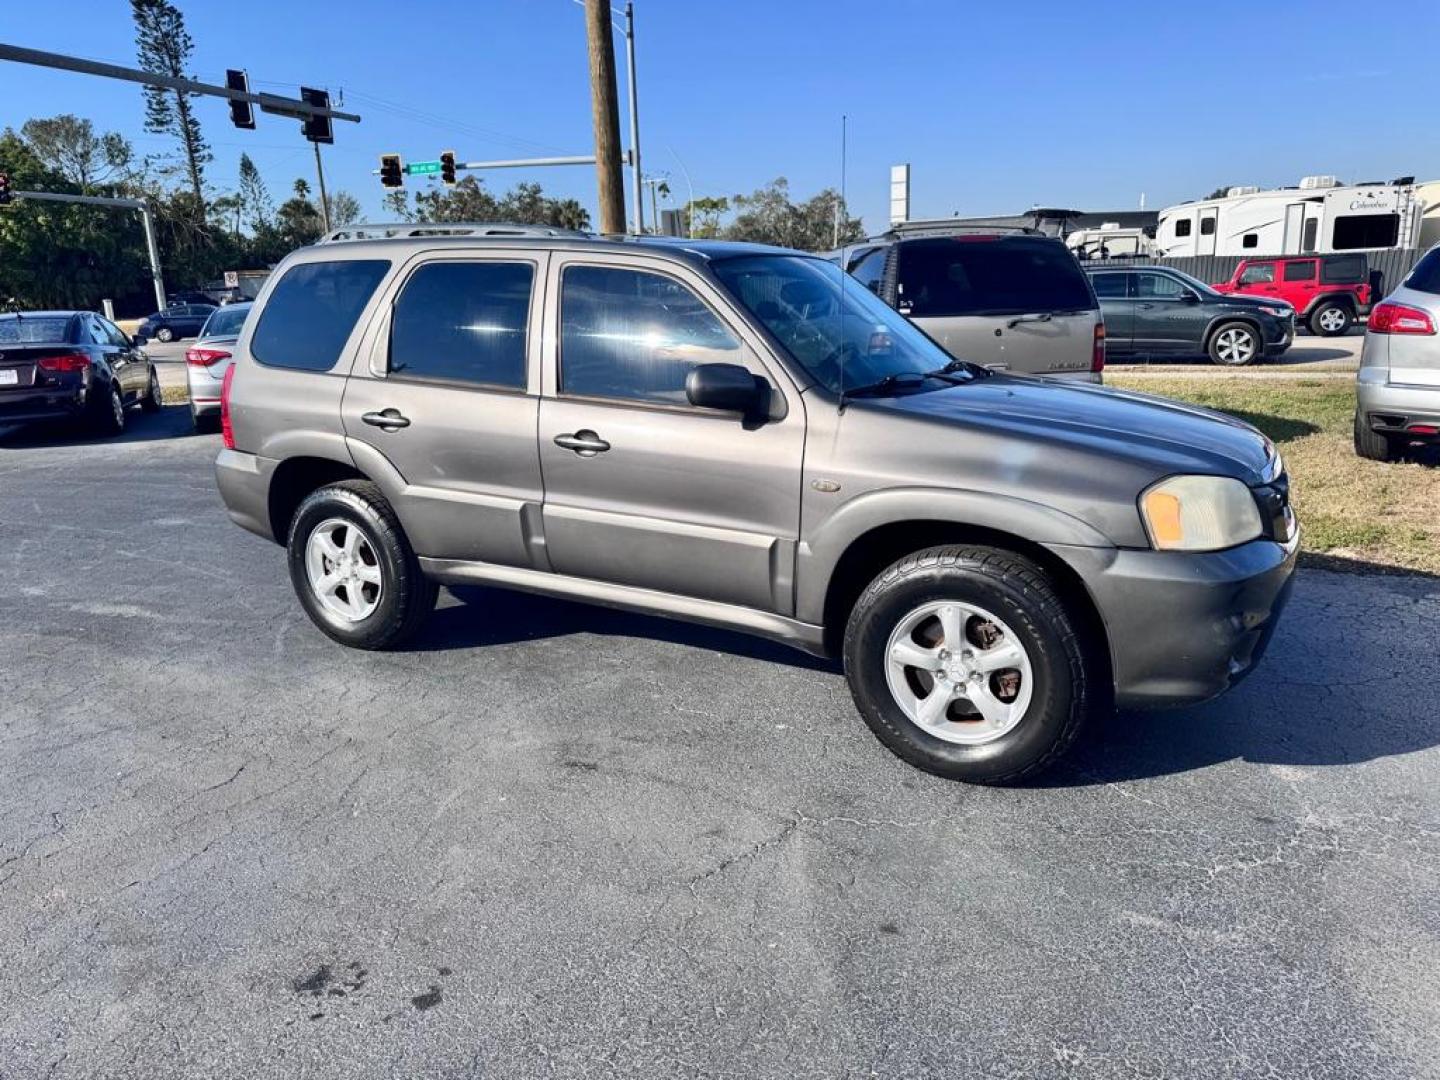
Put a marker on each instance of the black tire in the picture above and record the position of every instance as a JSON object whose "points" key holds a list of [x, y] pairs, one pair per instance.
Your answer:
{"points": [[110, 411], [406, 596], [1220, 339], [1019, 593], [154, 398], [165, 334], [1338, 315], [1372, 444]]}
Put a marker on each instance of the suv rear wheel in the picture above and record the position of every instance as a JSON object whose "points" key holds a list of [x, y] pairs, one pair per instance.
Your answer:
{"points": [[1372, 444], [964, 662], [354, 570], [1331, 319], [1234, 344]]}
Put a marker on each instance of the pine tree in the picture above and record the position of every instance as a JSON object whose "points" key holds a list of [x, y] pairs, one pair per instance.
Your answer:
{"points": [[254, 196], [163, 47]]}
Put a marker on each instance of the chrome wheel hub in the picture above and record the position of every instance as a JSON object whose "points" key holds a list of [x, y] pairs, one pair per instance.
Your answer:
{"points": [[958, 672], [343, 570], [1235, 345], [1332, 319]]}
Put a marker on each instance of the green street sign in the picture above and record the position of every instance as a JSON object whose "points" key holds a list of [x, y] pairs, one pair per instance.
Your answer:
{"points": [[422, 168]]}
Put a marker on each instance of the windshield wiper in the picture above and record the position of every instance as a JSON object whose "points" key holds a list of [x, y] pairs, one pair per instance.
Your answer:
{"points": [[884, 386], [1031, 316], [955, 367]]}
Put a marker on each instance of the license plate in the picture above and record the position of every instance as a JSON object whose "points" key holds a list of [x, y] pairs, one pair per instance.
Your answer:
{"points": [[9, 377]]}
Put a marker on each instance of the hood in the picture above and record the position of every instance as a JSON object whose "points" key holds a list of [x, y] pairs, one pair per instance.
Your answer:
{"points": [[1156, 435], [1247, 300]]}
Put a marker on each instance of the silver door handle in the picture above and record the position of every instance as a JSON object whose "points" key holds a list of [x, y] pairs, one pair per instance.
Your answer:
{"points": [[584, 442], [388, 419]]}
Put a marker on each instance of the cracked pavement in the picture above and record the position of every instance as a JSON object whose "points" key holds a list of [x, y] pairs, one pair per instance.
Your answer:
{"points": [[557, 841]]}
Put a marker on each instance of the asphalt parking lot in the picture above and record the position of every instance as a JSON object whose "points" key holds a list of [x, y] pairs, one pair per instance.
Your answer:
{"points": [[555, 841]]}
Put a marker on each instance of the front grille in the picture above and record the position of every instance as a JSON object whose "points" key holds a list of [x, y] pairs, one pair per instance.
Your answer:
{"points": [[1273, 499]]}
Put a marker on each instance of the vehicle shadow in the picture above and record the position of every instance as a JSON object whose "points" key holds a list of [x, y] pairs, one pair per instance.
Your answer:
{"points": [[171, 422], [486, 616], [1309, 354], [1323, 696]]}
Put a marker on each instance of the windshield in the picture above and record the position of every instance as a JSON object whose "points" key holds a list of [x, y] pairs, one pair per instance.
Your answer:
{"points": [[836, 329], [17, 330], [1195, 283], [226, 322]]}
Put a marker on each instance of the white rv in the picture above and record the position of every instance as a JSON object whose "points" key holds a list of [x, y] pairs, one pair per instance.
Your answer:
{"points": [[1319, 216], [1110, 241]]}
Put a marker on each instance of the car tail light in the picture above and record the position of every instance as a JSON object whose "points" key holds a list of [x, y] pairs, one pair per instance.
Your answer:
{"points": [[1097, 358], [198, 357], [227, 433], [1390, 318], [1423, 429], [71, 362]]}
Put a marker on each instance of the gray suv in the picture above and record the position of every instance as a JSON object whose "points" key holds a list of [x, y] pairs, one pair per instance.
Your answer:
{"points": [[741, 436], [1158, 311], [1014, 301]]}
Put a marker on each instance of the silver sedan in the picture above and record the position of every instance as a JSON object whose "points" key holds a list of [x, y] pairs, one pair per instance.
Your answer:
{"points": [[1398, 388], [207, 361]]}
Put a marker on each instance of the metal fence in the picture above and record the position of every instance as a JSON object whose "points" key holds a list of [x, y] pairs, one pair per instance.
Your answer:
{"points": [[1393, 265]]}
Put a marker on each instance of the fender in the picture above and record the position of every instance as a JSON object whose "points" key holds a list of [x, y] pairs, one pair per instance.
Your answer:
{"points": [[299, 443], [820, 551]]}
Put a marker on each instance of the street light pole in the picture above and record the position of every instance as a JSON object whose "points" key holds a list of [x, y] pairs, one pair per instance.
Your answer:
{"points": [[634, 116], [152, 248]]}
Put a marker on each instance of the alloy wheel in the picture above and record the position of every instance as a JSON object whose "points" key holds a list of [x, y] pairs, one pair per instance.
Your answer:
{"points": [[1235, 345], [958, 672], [1332, 319], [343, 570]]}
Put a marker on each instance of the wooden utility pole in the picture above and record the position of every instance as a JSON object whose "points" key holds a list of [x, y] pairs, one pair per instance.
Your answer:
{"points": [[606, 112]]}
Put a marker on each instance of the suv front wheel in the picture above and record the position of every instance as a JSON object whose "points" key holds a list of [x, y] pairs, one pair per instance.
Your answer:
{"points": [[354, 570], [965, 663]]}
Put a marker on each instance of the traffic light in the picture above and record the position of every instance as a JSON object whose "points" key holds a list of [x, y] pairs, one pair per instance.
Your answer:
{"points": [[5, 195], [447, 167], [391, 173], [317, 128], [242, 113]]}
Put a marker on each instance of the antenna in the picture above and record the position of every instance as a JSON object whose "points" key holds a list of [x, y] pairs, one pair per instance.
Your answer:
{"points": [[844, 270]]}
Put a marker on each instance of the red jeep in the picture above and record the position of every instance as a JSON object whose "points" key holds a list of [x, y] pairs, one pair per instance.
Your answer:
{"points": [[1328, 292]]}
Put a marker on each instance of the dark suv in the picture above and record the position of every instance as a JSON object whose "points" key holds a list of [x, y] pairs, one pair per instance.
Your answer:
{"points": [[741, 436], [1157, 311]]}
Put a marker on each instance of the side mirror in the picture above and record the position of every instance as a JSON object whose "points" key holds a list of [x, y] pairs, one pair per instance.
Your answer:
{"points": [[1189, 297], [137, 340], [725, 386]]}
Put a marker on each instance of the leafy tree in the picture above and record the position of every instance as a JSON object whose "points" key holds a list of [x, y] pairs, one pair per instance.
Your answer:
{"points": [[298, 219], [227, 209], [396, 203], [703, 216], [163, 47], [769, 217], [466, 201], [72, 148], [344, 209], [254, 196]]}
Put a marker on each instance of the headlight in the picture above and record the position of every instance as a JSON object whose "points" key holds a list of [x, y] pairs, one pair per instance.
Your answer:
{"points": [[1199, 513], [1278, 312]]}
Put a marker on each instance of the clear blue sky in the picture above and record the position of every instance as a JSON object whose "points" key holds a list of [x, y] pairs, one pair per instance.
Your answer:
{"points": [[996, 106]]}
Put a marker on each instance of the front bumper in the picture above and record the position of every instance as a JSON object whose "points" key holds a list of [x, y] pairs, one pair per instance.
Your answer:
{"points": [[1279, 336], [1185, 627]]}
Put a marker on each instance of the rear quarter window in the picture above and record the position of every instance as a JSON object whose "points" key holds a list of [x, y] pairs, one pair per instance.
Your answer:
{"points": [[311, 312], [1425, 276], [948, 277], [1344, 270]]}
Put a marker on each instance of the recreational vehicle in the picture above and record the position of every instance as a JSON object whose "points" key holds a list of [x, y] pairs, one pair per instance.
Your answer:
{"points": [[1319, 216]]}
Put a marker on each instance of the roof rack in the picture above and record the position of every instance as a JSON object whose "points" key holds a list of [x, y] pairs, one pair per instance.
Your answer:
{"points": [[404, 230]]}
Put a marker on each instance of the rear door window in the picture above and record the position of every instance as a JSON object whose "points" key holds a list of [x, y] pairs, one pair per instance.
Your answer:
{"points": [[463, 322], [1304, 270], [312, 311], [1109, 286], [985, 276]]}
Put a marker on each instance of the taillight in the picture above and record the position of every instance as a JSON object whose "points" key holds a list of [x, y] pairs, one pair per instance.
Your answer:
{"points": [[227, 433], [71, 362], [1097, 358], [1390, 318], [198, 357]]}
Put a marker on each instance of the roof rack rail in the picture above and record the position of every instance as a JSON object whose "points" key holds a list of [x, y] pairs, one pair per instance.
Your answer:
{"points": [[403, 230]]}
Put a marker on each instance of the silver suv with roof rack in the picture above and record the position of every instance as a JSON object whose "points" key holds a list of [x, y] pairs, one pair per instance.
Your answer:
{"points": [[743, 436]]}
